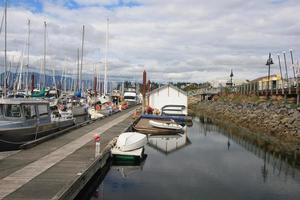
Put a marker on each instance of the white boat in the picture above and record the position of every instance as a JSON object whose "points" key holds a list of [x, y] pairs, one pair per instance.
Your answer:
{"points": [[130, 141], [94, 113], [166, 125]]}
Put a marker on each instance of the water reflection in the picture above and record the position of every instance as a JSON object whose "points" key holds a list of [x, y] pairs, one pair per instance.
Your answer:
{"points": [[207, 162], [281, 164], [169, 143], [127, 169]]}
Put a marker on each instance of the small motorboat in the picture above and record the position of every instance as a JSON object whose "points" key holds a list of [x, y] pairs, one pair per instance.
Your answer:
{"points": [[130, 141], [165, 125], [95, 114]]}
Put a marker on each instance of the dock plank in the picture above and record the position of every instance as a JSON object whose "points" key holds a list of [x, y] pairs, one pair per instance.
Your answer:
{"points": [[63, 163]]}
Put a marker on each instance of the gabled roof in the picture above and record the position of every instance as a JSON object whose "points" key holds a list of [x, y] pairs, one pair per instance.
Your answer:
{"points": [[168, 85]]}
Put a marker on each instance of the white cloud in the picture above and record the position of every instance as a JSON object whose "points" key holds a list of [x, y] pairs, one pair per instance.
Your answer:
{"points": [[193, 40]]}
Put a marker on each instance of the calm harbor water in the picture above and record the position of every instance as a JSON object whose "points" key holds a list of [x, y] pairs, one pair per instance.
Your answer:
{"points": [[204, 163]]}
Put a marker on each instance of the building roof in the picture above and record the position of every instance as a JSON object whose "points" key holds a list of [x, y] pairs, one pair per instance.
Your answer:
{"points": [[168, 85], [263, 77]]}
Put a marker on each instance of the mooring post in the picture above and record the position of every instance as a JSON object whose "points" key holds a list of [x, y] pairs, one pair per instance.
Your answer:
{"points": [[97, 145]]}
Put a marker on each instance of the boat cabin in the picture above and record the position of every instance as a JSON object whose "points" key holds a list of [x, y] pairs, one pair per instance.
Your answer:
{"points": [[24, 109]]}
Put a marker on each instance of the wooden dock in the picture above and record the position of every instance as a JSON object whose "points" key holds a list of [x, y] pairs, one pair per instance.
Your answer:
{"points": [[60, 168], [142, 125]]}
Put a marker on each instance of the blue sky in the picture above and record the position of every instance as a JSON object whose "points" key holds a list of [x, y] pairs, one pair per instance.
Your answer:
{"points": [[37, 5]]}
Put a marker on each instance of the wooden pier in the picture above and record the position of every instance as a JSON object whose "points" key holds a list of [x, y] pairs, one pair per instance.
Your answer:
{"points": [[61, 167]]}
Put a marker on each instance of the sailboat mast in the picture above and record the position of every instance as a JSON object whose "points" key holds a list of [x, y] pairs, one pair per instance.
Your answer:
{"points": [[105, 61], [5, 50], [45, 49], [81, 64], [77, 75], [28, 46]]}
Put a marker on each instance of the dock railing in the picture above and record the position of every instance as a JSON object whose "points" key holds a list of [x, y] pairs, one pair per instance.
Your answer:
{"points": [[287, 88]]}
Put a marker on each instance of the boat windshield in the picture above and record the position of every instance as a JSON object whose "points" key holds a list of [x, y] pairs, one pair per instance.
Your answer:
{"points": [[12, 110], [29, 111], [129, 97]]}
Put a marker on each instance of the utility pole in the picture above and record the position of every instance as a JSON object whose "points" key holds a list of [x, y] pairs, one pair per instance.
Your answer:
{"points": [[292, 58], [286, 71], [279, 63]]}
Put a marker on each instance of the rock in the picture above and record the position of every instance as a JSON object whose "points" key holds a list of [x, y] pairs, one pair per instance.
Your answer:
{"points": [[284, 120]]}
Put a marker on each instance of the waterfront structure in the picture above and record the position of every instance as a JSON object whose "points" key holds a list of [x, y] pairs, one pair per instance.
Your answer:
{"points": [[265, 83], [169, 96]]}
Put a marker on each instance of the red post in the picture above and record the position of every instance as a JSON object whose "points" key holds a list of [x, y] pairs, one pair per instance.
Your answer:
{"points": [[148, 92], [144, 90]]}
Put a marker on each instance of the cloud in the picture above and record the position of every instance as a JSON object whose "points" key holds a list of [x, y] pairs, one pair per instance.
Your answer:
{"points": [[178, 40]]}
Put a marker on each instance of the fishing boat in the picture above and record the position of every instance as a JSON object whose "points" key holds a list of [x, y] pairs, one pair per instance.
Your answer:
{"points": [[165, 125], [130, 96], [130, 141], [25, 120]]}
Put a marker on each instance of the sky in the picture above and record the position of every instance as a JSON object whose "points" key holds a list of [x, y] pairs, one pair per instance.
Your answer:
{"points": [[175, 40]]}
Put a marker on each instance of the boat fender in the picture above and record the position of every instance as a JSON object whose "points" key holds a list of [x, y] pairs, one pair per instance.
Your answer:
{"points": [[98, 107]]}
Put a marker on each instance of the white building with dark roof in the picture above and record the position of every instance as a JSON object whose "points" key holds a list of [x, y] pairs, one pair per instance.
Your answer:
{"points": [[169, 100]]}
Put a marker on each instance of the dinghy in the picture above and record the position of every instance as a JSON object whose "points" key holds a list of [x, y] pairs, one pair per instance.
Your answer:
{"points": [[165, 125], [130, 141]]}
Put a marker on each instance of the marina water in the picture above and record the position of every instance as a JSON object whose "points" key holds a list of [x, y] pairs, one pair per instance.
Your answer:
{"points": [[204, 163]]}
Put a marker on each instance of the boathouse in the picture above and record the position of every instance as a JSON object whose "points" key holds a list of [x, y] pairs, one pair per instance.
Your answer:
{"points": [[169, 100]]}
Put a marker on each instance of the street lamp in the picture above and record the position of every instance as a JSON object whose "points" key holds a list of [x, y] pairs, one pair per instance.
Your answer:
{"points": [[231, 75], [269, 63]]}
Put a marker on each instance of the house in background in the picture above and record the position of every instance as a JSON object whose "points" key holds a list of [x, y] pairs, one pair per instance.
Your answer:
{"points": [[275, 82], [169, 100]]}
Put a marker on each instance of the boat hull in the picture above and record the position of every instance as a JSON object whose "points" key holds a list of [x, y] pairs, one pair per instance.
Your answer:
{"points": [[142, 126], [79, 111], [13, 138], [165, 125], [130, 141]]}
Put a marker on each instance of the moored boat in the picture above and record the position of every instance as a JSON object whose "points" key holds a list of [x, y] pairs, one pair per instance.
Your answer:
{"points": [[129, 147], [24, 120], [142, 125], [165, 125], [130, 141]]}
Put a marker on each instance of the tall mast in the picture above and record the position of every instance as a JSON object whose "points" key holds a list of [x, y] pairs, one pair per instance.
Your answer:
{"points": [[5, 49], [81, 64], [27, 69], [77, 75], [45, 49], [105, 61]]}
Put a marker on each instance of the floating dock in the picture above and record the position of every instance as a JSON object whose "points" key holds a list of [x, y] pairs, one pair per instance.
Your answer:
{"points": [[61, 167]]}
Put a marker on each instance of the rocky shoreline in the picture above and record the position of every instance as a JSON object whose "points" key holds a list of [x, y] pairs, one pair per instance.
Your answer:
{"points": [[277, 124]]}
